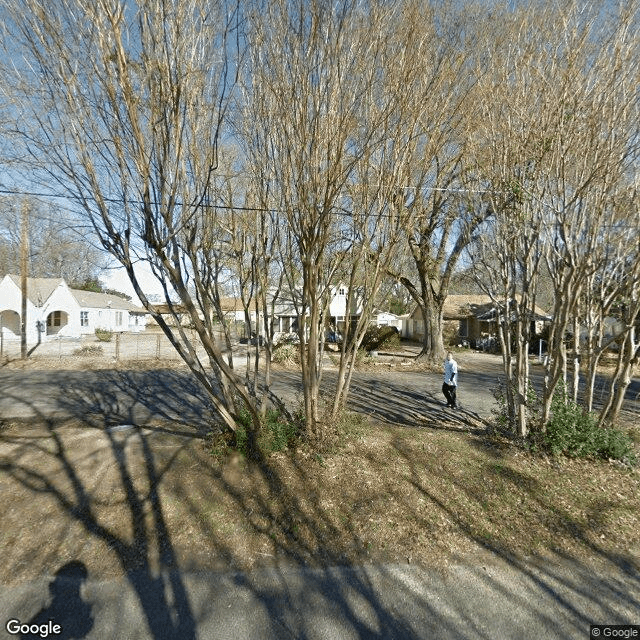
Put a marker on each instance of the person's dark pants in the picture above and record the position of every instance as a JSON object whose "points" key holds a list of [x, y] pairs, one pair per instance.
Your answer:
{"points": [[449, 391]]}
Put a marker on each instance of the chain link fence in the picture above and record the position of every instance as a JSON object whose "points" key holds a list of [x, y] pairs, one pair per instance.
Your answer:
{"points": [[148, 345]]}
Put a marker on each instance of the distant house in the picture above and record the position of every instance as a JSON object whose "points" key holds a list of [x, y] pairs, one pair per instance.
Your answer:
{"points": [[286, 314], [54, 309], [386, 319], [469, 319], [339, 315]]}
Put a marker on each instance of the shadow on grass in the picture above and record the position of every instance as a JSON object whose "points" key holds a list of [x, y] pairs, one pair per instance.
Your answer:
{"points": [[48, 468], [310, 540], [576, 586]]}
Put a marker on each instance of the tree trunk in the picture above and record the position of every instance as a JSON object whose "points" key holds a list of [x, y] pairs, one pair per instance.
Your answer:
{"points": [[432, 340], [621, 379]]}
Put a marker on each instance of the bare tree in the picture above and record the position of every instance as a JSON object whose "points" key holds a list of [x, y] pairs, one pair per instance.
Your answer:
{"points": [[593, 144], [123, 107], [58, 245], [439, 219], [610, 304], [323, 97], [561, 138]]}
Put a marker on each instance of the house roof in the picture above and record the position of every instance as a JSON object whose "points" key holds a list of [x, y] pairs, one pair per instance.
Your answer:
{"points": [[38, 289], [491, 312], [458, 307], [228, 305], [93, 300]]}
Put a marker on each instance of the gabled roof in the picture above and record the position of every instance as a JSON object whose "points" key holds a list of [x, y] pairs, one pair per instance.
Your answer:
{"points": [[492, 310], [38, 289], [480, 306], [93, 300], [457, 307], [228, 305]]}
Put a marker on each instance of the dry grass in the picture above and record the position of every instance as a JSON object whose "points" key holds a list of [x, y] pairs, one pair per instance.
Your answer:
{"points": [[145, 498]]}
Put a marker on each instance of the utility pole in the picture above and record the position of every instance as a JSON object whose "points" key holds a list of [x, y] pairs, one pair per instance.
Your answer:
{"points": [[24, 265]]}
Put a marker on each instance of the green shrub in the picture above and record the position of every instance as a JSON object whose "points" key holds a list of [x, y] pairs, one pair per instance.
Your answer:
{"points": [[280, 431], [277, 433], [104, 335], [573, 432], [376, 338], [503, 422]]}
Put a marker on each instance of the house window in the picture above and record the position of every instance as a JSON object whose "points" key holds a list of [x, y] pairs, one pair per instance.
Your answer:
{"points": [[54, 319], [342, 291], [118, 318], [84, 318]]}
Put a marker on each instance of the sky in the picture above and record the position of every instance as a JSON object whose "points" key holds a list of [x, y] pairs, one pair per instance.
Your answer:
{"points": [[116, 278]]}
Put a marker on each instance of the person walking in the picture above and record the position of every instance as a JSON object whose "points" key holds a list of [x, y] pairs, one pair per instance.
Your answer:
{"points": [[450, 383]]}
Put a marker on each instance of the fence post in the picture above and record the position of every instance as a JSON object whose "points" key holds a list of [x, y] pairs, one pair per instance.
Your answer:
{"points": [[117, 347], [158, 347]]}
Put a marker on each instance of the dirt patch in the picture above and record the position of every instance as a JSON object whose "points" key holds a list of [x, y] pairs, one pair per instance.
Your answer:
{"points": [[154, 498]]}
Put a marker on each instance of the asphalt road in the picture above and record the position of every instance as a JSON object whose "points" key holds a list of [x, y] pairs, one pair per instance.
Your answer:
{"points": [[493, 599], [138, 397]]}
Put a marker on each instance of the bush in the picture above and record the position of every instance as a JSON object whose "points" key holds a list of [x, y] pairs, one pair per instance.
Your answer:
{"points": [[89, 350], [503, 423], [104, 335], [278, 432], [376, 338], [286, 354], [573, 432]]}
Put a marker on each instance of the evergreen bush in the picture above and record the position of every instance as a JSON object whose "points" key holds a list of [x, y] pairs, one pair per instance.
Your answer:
{"points": [[278, 432], [376, 338], [573, 432], [104, 335]]}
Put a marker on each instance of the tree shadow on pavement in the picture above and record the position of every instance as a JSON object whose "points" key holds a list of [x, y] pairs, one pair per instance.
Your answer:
{"points": [[390, 400], [66, 480], [115, 396]]}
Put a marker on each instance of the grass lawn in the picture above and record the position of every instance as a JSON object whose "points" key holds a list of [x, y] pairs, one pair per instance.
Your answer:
{"points": [[156, 497]]}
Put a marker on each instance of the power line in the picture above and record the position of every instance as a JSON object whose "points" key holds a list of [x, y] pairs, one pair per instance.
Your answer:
{"points": [[36, 194], [336, 210]]}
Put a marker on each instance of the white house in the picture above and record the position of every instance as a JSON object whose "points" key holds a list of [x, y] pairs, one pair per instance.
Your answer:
{"points": [[107, 311], [386, 319], [339, 315], [54, 309]]}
